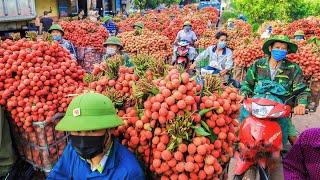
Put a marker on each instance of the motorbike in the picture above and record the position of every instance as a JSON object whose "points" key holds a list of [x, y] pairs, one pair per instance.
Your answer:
{"points": [[260, 138], [182, 53]]}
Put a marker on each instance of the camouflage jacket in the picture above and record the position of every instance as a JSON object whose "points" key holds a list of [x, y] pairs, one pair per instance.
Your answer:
{"points": [[289, 75]]}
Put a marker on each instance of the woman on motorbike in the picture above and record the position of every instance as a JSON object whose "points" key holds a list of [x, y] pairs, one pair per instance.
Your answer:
{"points": [[186, 34]]}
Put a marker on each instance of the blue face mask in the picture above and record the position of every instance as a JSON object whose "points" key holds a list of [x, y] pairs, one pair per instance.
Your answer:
{"points": [[221, 44], [57, 38], [299, 37], [278, 54], [187, 28]]}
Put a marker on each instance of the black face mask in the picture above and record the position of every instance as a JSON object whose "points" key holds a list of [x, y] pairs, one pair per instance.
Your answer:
{"points": [[88, 146]]}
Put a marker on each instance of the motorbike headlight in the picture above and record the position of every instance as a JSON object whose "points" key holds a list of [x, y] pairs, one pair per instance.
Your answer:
{"points": [[260, 111]]}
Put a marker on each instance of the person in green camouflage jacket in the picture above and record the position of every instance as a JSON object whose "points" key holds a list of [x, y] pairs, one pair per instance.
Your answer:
{"points": [[277, 68], [113, 47]]}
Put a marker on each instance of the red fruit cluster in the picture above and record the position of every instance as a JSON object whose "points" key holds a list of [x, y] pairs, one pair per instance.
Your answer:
{"points": [[307, 60], [84, 33], [35, 79], [245, 55], [177, 95]]}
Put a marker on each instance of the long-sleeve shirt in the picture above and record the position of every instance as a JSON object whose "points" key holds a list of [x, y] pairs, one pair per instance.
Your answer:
{"points": [[189, 36], [288, 74], [303, 159], [221, 62], [111, 27], [69, 46], [120, 164]]}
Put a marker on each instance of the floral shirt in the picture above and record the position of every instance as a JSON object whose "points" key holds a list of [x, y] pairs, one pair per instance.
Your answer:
{"points": [[69, 46]]}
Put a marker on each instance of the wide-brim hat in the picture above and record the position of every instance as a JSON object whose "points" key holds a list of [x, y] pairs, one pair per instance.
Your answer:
{"points": [[89, 111], [139, 24], [56, 27], [292, 47], [187, 23], [112, 40], [299, 33]]}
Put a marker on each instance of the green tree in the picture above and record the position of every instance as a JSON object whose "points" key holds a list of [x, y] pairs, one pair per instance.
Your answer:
{"points": [[259, 11], [140, 4]]}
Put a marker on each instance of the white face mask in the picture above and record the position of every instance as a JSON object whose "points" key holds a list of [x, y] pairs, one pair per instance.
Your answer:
{"points": [[111, 51]]}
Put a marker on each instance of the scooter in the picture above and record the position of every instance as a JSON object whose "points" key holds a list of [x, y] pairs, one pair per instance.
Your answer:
{"points": [[260, 139], [182, 54]]}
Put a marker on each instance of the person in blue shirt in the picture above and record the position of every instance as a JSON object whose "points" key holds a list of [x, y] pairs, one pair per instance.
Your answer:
{"points": [[109, 25], [92, 152]]}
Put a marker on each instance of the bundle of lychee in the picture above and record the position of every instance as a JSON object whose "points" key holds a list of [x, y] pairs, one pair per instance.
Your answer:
{"points": [[245, 54], [148, 42], [207, 39], [188, 143], [83, 33], [308, 59], [35, 79], [307, 25]]}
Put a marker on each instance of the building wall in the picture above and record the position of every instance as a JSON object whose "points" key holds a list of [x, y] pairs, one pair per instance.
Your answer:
{"points": [[44, 5]]}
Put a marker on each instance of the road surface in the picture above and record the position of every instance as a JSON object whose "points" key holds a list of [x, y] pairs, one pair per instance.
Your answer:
{"points": [[311, 120]]}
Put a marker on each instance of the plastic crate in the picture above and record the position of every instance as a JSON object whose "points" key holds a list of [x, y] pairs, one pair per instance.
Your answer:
{"points": [[37, 147], [87, 57]]}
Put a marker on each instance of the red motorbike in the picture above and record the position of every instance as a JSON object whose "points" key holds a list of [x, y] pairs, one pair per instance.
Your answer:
{"points": [[182, 54], [260, 139]]}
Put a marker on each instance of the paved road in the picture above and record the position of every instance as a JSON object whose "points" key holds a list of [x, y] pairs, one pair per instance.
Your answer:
{"points": [[311, 120]]}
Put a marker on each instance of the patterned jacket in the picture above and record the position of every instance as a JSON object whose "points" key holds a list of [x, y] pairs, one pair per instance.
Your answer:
{"points": [[289, 75], [69, 46]]}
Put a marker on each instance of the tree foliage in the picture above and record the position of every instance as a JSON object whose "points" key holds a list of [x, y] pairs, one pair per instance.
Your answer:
{"points": [[259, 11]]}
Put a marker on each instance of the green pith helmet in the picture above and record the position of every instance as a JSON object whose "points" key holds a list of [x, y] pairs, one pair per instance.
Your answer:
{"points": [[113, 40], [56, 27], [106, 18], [299, 33], [292, 48], [139, 24], [89, 111], [187, 23]]}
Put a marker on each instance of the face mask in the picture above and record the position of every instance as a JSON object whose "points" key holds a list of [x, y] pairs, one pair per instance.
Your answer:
{"points": [[278, 54], [187, 28], [57, 37], [111, 51], [221, 44], [88, 147], [299, 37]]}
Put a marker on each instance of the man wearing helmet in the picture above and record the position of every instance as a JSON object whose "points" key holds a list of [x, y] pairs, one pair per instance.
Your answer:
{"points": [[57, 33], [92, 152]]}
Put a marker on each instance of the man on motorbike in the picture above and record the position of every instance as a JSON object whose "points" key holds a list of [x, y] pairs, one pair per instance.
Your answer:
{"points": [[220, 56], [278, 69], [114, 47], [186, 34], [92, 152]]}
